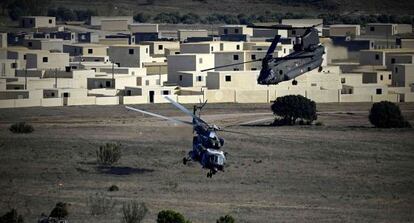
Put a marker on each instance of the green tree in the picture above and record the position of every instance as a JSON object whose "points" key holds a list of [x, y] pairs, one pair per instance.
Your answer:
{"points": [[142, 17], [386, 114], [60, 211], [169, 216], [226, 219], [293, 107]]}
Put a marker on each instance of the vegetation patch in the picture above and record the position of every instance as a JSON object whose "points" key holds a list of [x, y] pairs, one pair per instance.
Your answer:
{"points": [[290, 108], [170, 216], [21, 127], [133, 212], [100, 204], [386, 114], [108, 154]]}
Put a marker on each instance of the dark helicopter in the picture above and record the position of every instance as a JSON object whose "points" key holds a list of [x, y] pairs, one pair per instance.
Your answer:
{"points": [[206, 143], [306, 56]]}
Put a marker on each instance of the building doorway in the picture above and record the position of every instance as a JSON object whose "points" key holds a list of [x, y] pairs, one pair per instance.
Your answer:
{"points": [[151, 96], [65, 98]]}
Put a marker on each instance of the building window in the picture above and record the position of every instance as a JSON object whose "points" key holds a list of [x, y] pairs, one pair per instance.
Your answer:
{"points": [[259, 49], [165, 92], [236, 30], [225, 31], [313, 84], [228, 78], [254, 68], [377, 56], [200, 60], [253, 57], [343, 80], [372, 29], [147, 82], [24, 57], [379, 91], [381, 77], [14, 65], [45, 59], [221, 47], [107, 83], [160, 47], [30, 44], [199, 78], [146, 50], [50, 21], [236, 69], [181, 77], [389, 76], [284, 50], [293, 32], [212, 49], [396, 70], [131, 51], [393, 60], [235, 57], [237, 47], [90, 51]]}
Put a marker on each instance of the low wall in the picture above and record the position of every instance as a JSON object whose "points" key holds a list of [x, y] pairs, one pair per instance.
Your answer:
{"points": [[389, 97], [51, 102], [20, 103], [323, 96], [7, 103], [220, 96], [190, 99], [409, 97], [355, 98], [81, 101], [107, 101], [128, 100], [257, 96]]}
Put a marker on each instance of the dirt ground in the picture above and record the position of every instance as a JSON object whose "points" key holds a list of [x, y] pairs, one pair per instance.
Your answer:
{"points": [[343, 171]]}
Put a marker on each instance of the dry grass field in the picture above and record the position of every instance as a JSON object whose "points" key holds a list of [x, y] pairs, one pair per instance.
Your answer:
{"points": [[343, 171]]}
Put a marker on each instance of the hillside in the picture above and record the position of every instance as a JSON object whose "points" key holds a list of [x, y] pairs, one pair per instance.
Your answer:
{"points": [[205, 7]]}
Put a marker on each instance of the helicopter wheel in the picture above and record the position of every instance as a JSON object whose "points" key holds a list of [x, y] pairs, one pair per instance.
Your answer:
{"points": [[320, 69], [294, 82], [185, 161], [209, 175]]}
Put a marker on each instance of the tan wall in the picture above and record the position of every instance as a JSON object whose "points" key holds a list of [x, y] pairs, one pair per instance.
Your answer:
{"points": [[81, 101], [345, 30], [51, 102], [135, 100], [355, 98], [144, 28], [220, 96], [189, 99], [257, 96], [114, 25], [323, 96], [107, 101]]}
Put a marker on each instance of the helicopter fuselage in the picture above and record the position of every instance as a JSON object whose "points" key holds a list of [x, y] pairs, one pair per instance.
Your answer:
{"points": [[275, 71]]}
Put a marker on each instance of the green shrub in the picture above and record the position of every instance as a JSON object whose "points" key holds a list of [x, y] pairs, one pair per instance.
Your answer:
{"points": [[113, 188], [133, 212], [100, 204], [11, 217], [108, 154], [292, 107], [21, 127], [170, 216], [60, 211], [226, 219], [319, 123], [386, 114]]}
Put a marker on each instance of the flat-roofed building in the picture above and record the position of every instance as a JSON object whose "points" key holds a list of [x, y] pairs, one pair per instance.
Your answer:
{"points": [[143, 28], [88, 37], [387, 29], [44, 44], [187, 62], [97, 20], [157, 48], [344, 30], [378, 57], [318, 23], [210, 47], [129, 55], [43, 60], [235, 30], [85, 49], [184, 34], [37, 22], [114, 24], [403, 75]]}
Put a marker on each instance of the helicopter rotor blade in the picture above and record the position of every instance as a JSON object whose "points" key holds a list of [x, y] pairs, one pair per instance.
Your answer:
{"points": [[159, 116], [229, 65], [272, 46], [185, 110]]}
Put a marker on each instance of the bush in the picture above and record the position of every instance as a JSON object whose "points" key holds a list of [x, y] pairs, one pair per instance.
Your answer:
{"points": [[226, 219], [291, 107], [319, 123], [169, 216], [133, 212], [99, 204], [386, 114], [21, 127], [60, 211], [11, 217], [108, 154], [113, 188]]}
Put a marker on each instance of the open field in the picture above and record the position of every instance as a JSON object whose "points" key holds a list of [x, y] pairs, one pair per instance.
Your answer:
{"points": [[344, 171]]}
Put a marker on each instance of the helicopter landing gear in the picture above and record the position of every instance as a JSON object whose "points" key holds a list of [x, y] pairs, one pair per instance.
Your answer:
{"points": [[294, 82], [210, 174], [185, 160], [320, 69]]}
